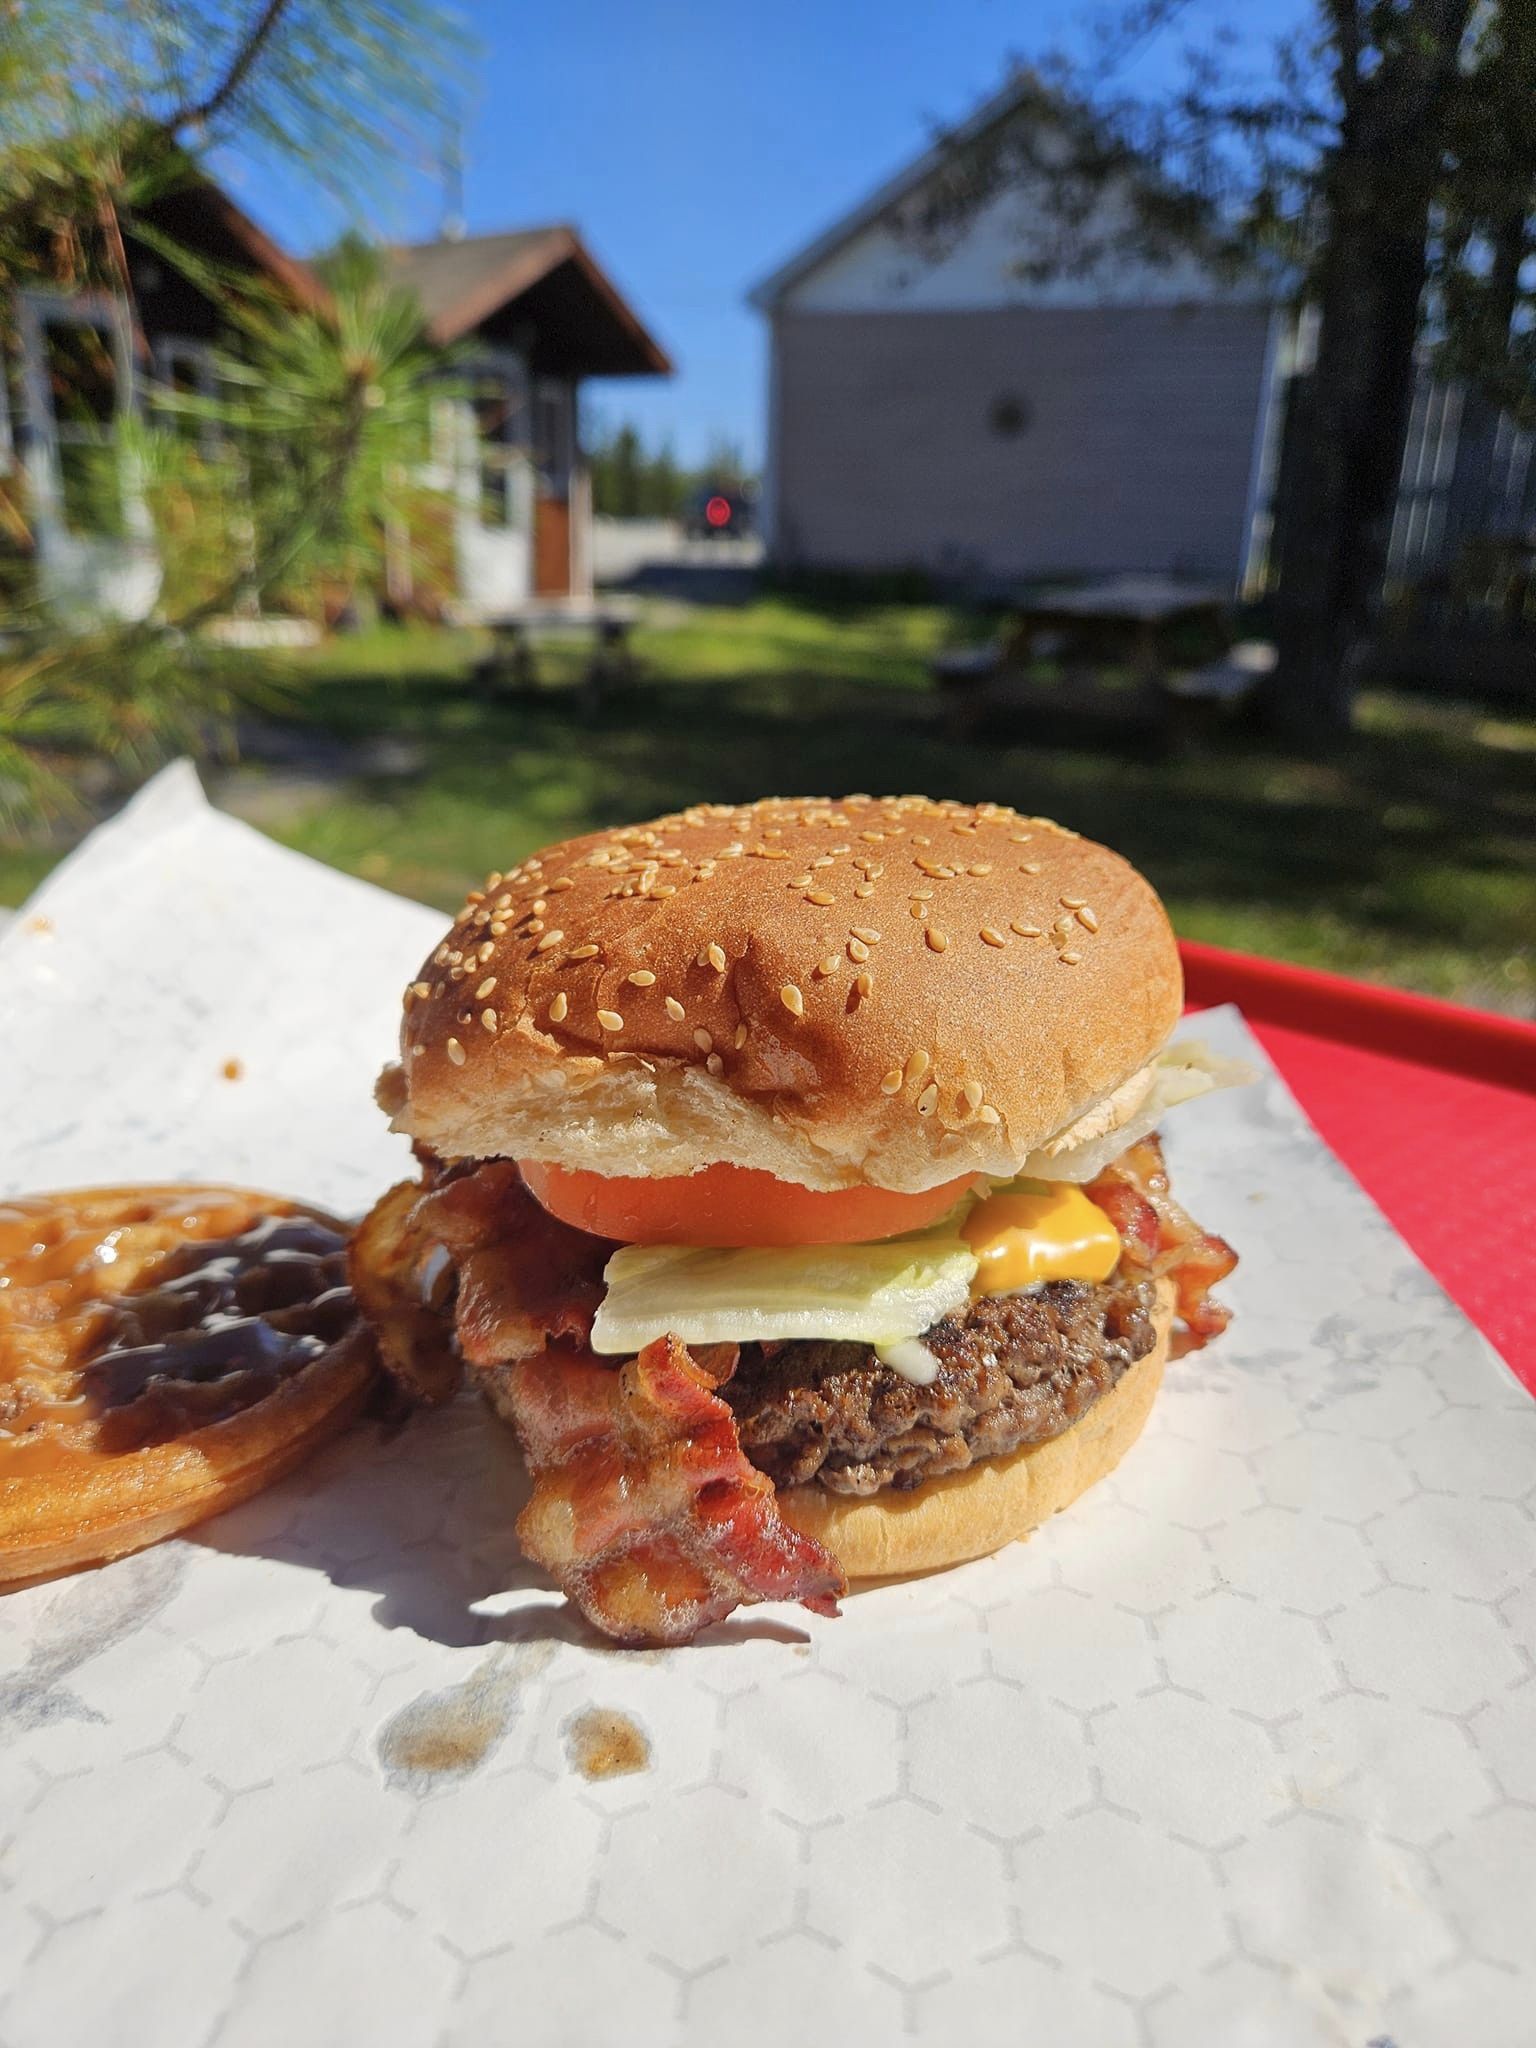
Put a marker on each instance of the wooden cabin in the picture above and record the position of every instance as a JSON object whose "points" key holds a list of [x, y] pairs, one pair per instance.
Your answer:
{"points": [[527, 315]]}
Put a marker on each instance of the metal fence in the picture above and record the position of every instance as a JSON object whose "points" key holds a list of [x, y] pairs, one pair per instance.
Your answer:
{"points": [[1468, 474]]}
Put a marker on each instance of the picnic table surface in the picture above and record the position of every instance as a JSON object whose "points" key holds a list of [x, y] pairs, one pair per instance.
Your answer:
{"points": [[1139, 599]]}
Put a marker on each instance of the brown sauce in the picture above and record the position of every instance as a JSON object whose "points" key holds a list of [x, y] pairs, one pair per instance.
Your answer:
{"points": [[602, 1743]]}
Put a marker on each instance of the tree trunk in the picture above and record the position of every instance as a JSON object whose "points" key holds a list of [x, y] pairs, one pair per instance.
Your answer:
{"points": [[1343, 447]]}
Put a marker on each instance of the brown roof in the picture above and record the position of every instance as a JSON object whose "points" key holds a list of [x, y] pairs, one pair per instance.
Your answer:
{"points": [[554, 282]]}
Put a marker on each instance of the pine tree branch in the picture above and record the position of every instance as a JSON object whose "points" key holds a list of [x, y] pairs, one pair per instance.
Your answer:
{"points": [[241, 64]]}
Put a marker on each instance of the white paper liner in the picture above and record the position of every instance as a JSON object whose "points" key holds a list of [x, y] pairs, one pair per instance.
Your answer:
{"points": [[1241, 1750]]}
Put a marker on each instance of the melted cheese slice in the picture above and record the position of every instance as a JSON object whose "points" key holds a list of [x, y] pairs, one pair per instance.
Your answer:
{"points": [[1021, 1239]]}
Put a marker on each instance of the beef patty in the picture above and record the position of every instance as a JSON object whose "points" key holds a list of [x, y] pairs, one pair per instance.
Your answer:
{"points": [[1018, 1369]]}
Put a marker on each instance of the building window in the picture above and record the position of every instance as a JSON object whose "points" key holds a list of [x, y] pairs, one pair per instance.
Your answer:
{"points": [[1009, 416], [552, 435], [76, 372]]}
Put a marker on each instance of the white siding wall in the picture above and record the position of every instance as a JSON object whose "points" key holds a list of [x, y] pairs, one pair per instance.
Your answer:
{"points": [[878, 269], [1137, 453]]}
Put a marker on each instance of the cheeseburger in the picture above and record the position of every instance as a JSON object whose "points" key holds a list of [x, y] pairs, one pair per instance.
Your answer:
{"points": [[790, 1184]]}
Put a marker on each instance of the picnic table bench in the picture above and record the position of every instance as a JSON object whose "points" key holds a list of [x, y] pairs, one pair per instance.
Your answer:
{"points": [[1120, 624], [510, 667]]}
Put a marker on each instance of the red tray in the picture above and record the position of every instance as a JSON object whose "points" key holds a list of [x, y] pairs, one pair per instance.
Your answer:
{"points": [[1431, 1107]]}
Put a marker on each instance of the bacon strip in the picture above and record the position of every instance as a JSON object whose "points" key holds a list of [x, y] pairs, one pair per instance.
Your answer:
{"points": [[525, 1278], [644, 1508], [1159, 1237]]}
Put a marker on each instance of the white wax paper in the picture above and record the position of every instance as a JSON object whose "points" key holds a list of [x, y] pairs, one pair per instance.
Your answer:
{"points": [[1240, 1751]]}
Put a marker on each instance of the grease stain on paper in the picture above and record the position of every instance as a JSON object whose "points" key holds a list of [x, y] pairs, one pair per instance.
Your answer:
{"points": [[603, 1743], [451, 1733], [84, 1618]]}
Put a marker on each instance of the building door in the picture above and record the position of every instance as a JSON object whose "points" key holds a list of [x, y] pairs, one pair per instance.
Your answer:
{"points": [[552, 547]]}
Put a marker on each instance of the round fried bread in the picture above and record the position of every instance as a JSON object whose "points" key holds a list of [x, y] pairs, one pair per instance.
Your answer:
{"points": [[164, 1353]]}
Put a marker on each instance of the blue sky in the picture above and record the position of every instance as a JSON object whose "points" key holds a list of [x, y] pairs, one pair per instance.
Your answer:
{"points": [[696, 146]]}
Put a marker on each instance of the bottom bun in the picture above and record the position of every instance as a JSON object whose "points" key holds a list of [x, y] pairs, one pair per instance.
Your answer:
{"points": [[994, 1502]]}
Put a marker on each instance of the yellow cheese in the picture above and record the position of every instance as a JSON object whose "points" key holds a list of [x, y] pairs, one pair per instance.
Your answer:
{"points": [[1020, 1239]]}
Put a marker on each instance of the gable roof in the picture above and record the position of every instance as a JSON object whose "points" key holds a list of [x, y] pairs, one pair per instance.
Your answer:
{"points": [[771, 290], [464, 282], [202, 214]]}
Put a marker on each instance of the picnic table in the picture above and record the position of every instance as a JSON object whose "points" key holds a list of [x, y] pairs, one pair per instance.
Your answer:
{"points": [[511, 666], [1113, 640]]}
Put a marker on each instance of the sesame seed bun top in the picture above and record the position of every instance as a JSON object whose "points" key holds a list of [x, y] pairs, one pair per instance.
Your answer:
{"points": [[873, 989]]}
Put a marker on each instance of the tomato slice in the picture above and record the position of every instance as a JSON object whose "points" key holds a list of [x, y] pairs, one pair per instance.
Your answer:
{"points": [[732, 1205]]}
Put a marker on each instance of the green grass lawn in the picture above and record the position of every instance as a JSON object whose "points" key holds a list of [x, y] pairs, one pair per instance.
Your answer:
{"points": [[1409, 858]]}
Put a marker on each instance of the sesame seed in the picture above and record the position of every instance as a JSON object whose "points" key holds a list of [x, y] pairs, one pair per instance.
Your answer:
{"points": [[928, 1101], [498, 929], [827, 966], [421, 989], [863, 984], [715, 955], [866, 932], [857, 950], [585, 952], [1087, 919], [488, 1019], [800, 882], [972, 1093], [918, 910], [993, 936], [485, 988], [1029, 867], [440, 957], [741, 1037], [1072, 902], [564, 882], [558, 1008], [1020, 838], [610, 1020], [892, 1082], [714, 1064], [921, 895], [1026, 931], [535, 925], [982, 867], [863, 888], [703, 1040], [823, 860], [549, 939], [987, 1114], [820, 898], [936, 939], [539, 906], [643, 978], [675, 1010], [792, 999], [1069, 959], [455, 1052], [917, 1066]]}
